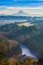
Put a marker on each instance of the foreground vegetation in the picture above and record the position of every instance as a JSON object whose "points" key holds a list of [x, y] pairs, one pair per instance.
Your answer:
{"points": [[16, 58]]}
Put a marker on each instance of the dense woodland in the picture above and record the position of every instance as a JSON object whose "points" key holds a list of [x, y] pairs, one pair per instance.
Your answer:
{"points": [[10, 37]]}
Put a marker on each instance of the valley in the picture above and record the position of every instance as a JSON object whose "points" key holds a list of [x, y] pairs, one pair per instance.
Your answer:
{"points": [[21, 39]]}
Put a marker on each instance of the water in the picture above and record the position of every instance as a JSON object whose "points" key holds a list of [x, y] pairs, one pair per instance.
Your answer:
{"points": [[27, 52]]}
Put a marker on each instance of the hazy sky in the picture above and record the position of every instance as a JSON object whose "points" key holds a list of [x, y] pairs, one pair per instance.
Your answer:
{"points": [[32, 7]]}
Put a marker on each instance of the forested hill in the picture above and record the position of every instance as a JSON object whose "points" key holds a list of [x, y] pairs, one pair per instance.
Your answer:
{"points": [[9, 47], [19, 33], [30, 36]]}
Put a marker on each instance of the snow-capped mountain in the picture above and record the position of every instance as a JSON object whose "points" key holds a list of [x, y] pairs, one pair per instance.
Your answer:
{"points": [[21, 13]]}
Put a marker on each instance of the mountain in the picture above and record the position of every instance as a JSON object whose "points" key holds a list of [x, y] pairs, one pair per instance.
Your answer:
{"points": [[21, 13]]}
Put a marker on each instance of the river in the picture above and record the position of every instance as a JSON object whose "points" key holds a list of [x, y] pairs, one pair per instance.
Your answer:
{"points": [[27, 52]]}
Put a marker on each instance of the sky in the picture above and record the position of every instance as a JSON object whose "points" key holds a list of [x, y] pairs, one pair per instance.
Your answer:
{"points": [[31, 7]]}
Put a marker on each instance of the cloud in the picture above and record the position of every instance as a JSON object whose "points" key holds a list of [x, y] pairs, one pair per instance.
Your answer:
{"points": [[31, 11]]}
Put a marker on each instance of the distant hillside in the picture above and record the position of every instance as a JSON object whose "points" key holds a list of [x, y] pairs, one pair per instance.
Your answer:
{"points": [[8, 17], [15, 31]]}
